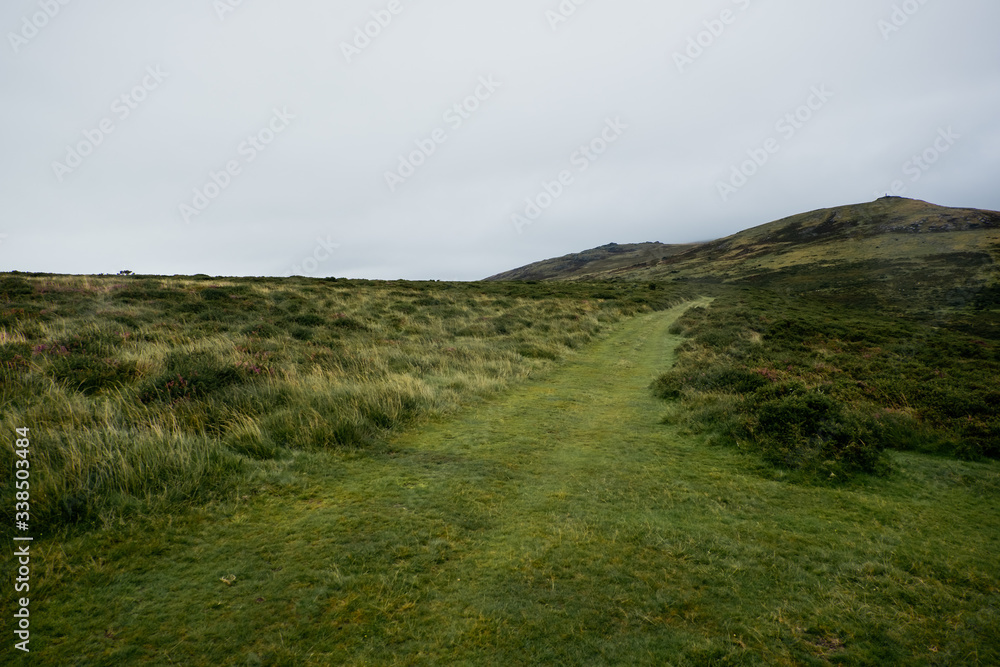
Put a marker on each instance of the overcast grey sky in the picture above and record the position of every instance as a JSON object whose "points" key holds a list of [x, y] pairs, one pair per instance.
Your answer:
{"points": [[248, 137]]}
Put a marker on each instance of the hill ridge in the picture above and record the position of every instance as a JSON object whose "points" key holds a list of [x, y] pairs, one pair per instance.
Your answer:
{"points": [[847, 233]]}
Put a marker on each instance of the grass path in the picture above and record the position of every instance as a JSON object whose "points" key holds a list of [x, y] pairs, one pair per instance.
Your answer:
{"points": [[560, 524]]}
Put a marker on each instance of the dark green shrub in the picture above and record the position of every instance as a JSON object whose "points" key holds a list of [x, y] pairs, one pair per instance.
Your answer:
{"points": [[262, 330], [732, 380], [980, 437], [15, 356], [224, 293], [807, 430], [904, 433], [405, 308], [719, 339], [869, 366], [506, 324], [301, 333], [668, 386], [15, 286], [535, 352], [342, 321], [790, 408], [191, 376], [90, 375], [308, 320], [791, 331]]}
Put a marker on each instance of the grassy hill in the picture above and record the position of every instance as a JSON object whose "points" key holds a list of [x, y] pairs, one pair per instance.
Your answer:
{"points": [[595, 262], [885, 239]]}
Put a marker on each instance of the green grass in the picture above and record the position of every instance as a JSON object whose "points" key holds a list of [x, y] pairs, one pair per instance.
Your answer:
{"points": [[559, 522], [156, 394]]}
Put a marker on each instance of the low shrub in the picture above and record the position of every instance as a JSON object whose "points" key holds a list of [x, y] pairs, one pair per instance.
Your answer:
{"points": [[824, 388], [192, 375], [262, 330], [668, 386], [309, 320], [804, 429], [90, 375]]}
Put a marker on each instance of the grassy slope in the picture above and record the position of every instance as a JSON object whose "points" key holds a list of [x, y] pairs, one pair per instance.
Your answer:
{"points": [[891, 235], [560, 525], [582, 265]]}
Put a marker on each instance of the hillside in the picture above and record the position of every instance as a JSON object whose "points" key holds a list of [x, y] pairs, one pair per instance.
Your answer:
{"points": [[890, 233], [586, 264]]}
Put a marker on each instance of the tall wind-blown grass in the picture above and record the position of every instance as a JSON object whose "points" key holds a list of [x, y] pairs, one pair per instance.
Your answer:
{"points": [[145, 394]]}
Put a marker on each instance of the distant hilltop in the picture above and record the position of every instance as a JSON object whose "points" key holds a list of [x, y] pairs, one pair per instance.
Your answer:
{"points": [[891, 232]]}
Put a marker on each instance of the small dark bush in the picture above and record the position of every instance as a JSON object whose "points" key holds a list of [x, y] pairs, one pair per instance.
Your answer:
{"points": [[301, 333], [260, 447], [345, 322], [289, 428], [262, 330], [668, 386], [224, 293], [905, 433], [192, 375], [309, 320], [193, 307], [405, 308], [90, 375], [791, 331], [719, 339], [732, 380], [534, 352], [15, 286], [808, 430], [15, 356]]}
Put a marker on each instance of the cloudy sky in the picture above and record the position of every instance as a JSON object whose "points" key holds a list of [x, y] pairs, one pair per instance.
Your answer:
{"points": [[454, 140]]}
